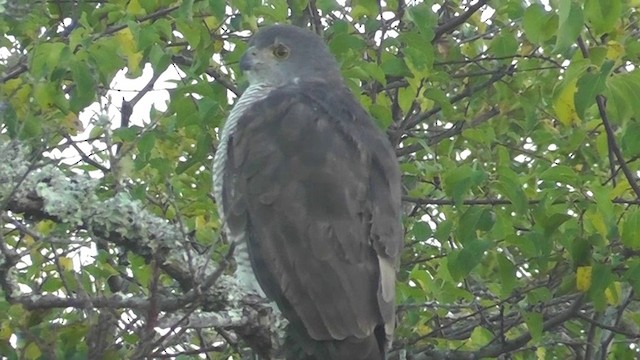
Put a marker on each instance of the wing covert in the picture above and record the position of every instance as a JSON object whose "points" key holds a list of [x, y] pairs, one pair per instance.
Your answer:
{"points": [[317, 189]]}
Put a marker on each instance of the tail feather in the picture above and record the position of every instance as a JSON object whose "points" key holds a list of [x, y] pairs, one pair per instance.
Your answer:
{"points": [[301, 347]]}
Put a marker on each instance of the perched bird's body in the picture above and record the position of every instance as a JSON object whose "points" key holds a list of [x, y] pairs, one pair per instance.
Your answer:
{"points": [[312, 188]]}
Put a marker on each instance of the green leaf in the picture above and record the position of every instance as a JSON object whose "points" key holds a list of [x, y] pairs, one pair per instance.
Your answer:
{"points": [[201, 153], [631, 275], [186, 10], [406, 97], [504, 44], [32, 351], [364, 8], [422, 16], [52, 284], [534, 323], [507, 273], [539, 295], [189, 30], [459, 180], [601, 279], [382, 115], [125, 134], [538, 24], [461, 262], [46, 57], [480, 337], [470, 222], [560, 173], [146, 144], [217, 8], [581, 252], [441, 99], [571, 21], [602, 195], [159, 60], [393, 66], [623, 96], [590, 85], [630, 232], [602, 15], [509, 185], [147, 37], [343, 40], [84, 92], [629, 142], [421, 231], [554, 221]]}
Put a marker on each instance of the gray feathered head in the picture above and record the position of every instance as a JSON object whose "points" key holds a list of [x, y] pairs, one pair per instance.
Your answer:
{"points": [[281, 54]]}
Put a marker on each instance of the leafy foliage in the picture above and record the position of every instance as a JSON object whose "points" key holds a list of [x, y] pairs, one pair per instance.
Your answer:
{"points": [[516, 124]]}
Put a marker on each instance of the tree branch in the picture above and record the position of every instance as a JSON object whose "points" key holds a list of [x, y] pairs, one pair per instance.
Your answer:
{"points": [[396, 134], [453, 24], [602, 109], [453, 131], [495, 350]]}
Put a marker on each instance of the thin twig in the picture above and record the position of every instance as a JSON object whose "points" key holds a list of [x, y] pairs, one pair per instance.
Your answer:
{"points": [[602, 109]]}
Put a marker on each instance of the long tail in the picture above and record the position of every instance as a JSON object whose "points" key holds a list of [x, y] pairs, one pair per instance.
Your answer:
{"points": [[301, 347]]}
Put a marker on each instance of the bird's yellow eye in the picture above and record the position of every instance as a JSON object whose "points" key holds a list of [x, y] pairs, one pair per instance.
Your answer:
{"points": [[280, 51]]}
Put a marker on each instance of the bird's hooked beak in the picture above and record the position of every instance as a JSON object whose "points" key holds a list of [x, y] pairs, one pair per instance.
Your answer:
{"points": [[248, 59]]}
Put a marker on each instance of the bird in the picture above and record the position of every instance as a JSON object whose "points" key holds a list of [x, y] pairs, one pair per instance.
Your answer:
{"points": [[309, 190]]}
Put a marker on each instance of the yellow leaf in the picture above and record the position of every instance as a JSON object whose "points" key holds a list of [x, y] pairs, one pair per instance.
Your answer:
{"points": [[422, 329], [621, 188], [32, 351], [135, 8], [65, 263], [615, 50], [5, 330], [71, 124], [525, 48], [43, 95], [28, 240], [201, 222], [565, 107], [406, 96], [129, 49], [212, 23], [476, 19], [133, 63], [44, 227], [595, 219], [541, 353], [20, 100], [11, 85], [126, 40], [170, 213], [613, 293], [583, 278]]}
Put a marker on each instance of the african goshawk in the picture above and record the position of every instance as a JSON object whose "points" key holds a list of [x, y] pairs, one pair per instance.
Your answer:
{"points": [[309, 190]]}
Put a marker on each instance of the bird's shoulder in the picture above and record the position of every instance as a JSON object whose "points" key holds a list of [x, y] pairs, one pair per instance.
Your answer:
{"points": [[315, 95], [320, 126], [296, 104]]}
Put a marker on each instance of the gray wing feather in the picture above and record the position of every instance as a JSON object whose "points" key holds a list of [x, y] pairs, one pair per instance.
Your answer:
{"points": [[317, 188]]}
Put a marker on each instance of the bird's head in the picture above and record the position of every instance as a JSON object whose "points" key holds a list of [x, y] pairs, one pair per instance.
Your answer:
{"points": [[281, 54]]}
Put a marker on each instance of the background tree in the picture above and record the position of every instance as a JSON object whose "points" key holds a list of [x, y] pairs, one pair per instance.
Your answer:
{"points": [[517, 124]]}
